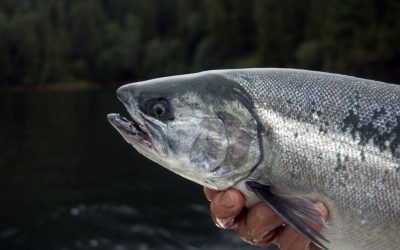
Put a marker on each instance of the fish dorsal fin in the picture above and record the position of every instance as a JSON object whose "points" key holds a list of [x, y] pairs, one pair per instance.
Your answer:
{"points": [[294, 210]]}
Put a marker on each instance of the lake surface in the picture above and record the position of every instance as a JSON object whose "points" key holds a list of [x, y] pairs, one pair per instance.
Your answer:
{"points": [[69, 181]]}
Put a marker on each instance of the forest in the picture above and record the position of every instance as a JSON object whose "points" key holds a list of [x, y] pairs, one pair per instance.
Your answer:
{"points": [[117, 41]]}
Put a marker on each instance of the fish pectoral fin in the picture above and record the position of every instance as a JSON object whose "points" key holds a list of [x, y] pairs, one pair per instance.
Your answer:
{"points": [[295, 210]]}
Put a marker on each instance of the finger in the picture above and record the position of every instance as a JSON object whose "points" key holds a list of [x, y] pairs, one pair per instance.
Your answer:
{"points": [[323, 211], [210, 193], [290, 238], [225, 206], [259, 225]]}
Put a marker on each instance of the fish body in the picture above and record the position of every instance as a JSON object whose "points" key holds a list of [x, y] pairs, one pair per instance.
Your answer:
{"points": [[286, 135]]}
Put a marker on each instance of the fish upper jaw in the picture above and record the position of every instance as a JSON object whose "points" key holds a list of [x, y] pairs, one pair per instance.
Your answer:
{"points": [[127, 96]]}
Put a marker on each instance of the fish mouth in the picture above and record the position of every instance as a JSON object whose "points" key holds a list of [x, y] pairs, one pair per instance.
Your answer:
{"points": [[131, 131]]}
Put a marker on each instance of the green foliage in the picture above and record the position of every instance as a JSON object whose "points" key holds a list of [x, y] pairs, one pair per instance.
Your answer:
{"points": [[117, 40]]}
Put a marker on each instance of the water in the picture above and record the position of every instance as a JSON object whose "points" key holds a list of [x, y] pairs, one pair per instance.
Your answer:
{"points": [[68, 181]]}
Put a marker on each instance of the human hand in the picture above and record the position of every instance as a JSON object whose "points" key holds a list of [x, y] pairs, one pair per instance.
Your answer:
{"points": [[259, 225]]}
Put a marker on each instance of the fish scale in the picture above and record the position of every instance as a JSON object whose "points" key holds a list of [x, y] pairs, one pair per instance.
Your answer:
{"points": [[362, 192], [294, 93]]}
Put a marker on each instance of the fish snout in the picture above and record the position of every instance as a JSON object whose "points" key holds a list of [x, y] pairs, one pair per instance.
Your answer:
{"points": [[123, 94], [112, 117]]}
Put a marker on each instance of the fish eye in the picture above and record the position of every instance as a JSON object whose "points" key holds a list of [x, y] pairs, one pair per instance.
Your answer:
{"points": [[158, 109]]}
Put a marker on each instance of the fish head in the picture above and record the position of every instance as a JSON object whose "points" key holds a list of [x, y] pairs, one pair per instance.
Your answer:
{"points": [[199, 126]]}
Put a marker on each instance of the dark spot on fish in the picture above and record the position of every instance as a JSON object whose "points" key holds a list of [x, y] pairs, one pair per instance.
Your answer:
{"points": [[356, 100], [313, 103], [350, 122], [288, 101], [339, 164], [362, 154], [396, 141], [319, 112], [385, 174], [368, 132], [296, 135], [313, 110]]}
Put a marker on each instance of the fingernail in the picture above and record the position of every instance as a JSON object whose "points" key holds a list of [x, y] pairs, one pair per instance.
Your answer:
{"points": [[227, 200], [323, 211], [225, 223]]}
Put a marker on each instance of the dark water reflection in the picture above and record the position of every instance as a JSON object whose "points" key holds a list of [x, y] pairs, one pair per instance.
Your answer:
{"points": [[68, 181]]}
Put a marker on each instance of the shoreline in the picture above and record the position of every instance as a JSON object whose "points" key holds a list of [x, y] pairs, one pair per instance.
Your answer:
{"points": [[59, 86]]}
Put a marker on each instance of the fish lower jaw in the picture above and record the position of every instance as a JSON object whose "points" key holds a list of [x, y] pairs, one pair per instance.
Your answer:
{"points": [[132, 131]]}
